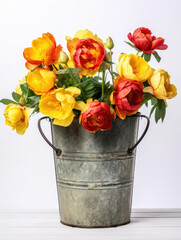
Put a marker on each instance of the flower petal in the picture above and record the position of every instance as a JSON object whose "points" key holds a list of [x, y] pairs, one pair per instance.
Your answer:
{"points": [[64, 122], [79, 105]]}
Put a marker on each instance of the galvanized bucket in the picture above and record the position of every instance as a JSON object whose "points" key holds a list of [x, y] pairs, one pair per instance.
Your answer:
{"points": [[95, 172]]}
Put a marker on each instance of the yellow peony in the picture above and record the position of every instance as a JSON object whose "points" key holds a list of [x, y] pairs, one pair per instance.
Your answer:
{"points": [[18, 88], [83, 34], [41, 80], [17, 117], [134, 67], [160, 83], [58, 104]]}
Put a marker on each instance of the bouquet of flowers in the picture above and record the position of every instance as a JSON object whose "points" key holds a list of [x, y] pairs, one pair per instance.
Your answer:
{"points": [[64, 86]]}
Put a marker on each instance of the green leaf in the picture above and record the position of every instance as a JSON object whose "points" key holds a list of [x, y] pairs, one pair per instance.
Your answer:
{"points": [[63, 80], [7, 101], [152, 110], [160, 110], [33, 101], [146, 98], [147, 57], [91, 87], [115, 73], [154, 100], [158, 58], [97, 78], [24, 88], [16, 96], [36, 110], [74, 72], [65, 71], [133, 46]]}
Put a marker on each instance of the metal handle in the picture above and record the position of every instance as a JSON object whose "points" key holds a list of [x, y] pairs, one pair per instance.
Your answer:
{"points": [[130, 150], [57, 150]]}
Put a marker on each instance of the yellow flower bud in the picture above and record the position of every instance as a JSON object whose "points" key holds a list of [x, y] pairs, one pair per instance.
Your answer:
{"points": [[63, 57], [22, 101], [109, 43]]}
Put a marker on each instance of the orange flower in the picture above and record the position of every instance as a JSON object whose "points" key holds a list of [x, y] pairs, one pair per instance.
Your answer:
{"points": [[43, 50], [96, 115], [86, 51], [127, 96], [41, 80]]}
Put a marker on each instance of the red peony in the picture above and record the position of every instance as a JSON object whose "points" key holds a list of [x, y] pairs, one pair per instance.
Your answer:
{"points": [[143, 40], [97, 115], [127, 96]]}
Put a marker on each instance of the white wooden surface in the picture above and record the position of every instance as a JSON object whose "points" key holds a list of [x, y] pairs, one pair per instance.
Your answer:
{"points": [[145, 224]]}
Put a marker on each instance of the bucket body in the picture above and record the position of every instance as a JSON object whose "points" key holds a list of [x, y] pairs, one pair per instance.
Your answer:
{"points": [[95, 173]]}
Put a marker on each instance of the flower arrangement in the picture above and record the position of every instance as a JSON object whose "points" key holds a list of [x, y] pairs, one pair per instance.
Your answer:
{"points": [[65, 86]]}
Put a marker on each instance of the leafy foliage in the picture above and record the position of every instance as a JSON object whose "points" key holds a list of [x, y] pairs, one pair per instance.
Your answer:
{"points": [[146, 98], [16, 96], [160, 110], [33, 101], [6, 101], [91, 87], [66, 73], [158, 106]]}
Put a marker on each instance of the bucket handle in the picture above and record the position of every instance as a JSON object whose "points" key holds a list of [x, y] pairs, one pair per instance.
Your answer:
{"points": [[130, 150], [57, 150]]}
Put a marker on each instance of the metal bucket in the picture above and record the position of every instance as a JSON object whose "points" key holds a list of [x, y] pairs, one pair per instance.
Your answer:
{"points": [[95, 172]]}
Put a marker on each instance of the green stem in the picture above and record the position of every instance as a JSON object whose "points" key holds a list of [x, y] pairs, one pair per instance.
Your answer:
{"points": [[112, 75], [111, 68], [137, 52], [71, 75], [76, 82], [103, 85], [111, 58]]}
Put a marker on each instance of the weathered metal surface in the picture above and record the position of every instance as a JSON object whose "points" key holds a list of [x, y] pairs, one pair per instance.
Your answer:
{"points": [[95, 173]]}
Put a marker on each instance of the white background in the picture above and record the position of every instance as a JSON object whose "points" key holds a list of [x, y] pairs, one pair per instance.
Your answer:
{"points": [[27, 180]]}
